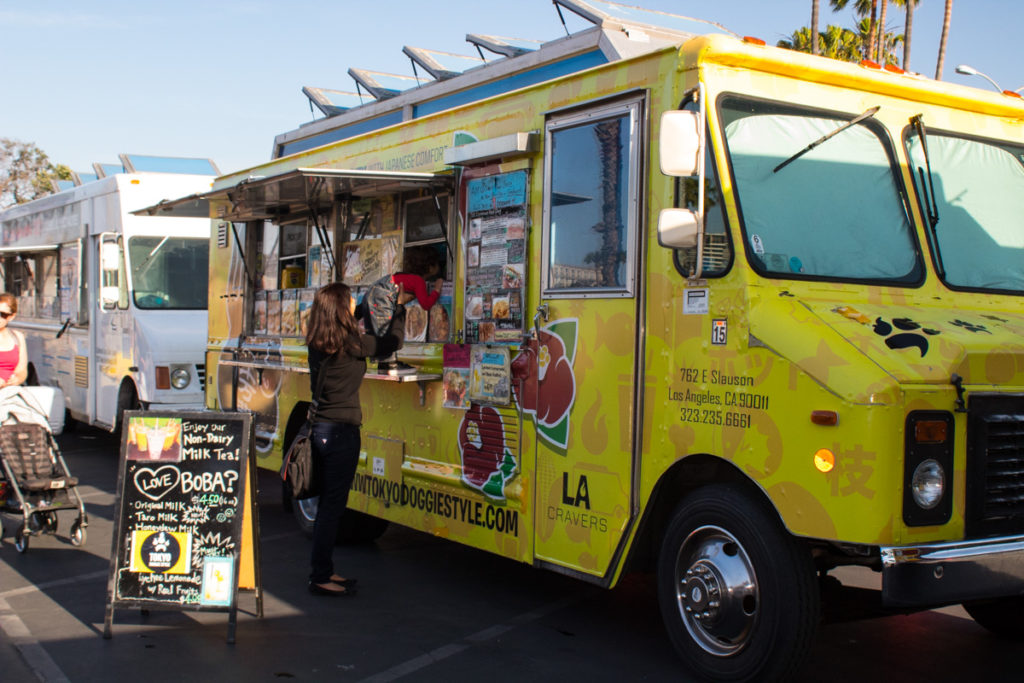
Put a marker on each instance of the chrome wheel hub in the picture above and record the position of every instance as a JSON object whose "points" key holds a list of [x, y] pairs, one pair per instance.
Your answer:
{"points": [[716, 590]]}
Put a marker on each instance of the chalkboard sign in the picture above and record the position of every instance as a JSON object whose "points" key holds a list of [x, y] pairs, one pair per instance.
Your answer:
{"points": [[182, 495]]}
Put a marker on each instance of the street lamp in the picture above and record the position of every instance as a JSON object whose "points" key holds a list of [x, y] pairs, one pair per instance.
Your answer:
{"points": [[971, 71]]}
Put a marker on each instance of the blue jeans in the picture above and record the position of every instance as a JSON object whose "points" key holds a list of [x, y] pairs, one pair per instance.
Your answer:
{"points": [[335, 456]]}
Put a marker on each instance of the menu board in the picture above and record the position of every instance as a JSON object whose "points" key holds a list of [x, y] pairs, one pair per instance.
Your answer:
{"points": [[181, 499], [495, 258], [363, 262]]}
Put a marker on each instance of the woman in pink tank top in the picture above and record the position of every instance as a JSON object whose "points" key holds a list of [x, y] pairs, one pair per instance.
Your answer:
{"points": [[13, 357]]}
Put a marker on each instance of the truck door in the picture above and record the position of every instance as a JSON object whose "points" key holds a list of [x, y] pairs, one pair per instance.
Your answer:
{"points": [[586, 353], [111, 352]]}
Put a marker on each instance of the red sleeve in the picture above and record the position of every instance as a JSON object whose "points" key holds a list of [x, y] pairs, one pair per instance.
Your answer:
{"points": [[414, 284]]}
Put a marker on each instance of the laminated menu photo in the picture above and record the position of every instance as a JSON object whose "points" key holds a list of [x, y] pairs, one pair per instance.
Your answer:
{"points": [[274, 312]]}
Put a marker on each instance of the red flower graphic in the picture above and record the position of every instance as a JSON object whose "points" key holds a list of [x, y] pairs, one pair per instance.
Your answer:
{"points": [[482, 442], [548, 386]]}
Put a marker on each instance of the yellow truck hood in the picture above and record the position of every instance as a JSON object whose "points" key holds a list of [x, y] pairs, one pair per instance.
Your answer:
{"points": [[864, 351]]}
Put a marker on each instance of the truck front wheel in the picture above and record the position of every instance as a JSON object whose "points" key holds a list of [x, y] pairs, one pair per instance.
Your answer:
{"points": [[737, 593]]}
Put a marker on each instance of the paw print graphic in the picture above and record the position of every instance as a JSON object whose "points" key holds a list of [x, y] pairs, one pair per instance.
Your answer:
{"points": [[970, 327], [909, 334]]}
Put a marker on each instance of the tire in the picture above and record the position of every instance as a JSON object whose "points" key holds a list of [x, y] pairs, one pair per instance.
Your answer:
{"points": [[127, 399], [305, 514], [738, 595], [359, 527], [354, 527], [78, 534], [1002, 617], [21, 539], [49, 522]]}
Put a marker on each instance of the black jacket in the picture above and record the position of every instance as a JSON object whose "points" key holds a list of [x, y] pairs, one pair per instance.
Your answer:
{"points": [[339, 401]]}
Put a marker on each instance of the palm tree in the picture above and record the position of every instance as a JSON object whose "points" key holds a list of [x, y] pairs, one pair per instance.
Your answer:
{"points": [[880, 38], [814, 27], [886, 43], [835, 42], [942, 41], [862, 8], [909, 5]]}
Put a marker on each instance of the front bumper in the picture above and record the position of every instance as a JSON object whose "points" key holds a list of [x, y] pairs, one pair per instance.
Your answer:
{"points": [[945, 573]]}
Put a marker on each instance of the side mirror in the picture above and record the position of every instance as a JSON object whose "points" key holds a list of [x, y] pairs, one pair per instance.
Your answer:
{"points": [[678, 228], [109, 297], [110, 256], [679, 145]]}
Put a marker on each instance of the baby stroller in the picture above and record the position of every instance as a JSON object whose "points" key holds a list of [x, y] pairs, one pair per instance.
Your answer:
{"points": [[34, 479]]}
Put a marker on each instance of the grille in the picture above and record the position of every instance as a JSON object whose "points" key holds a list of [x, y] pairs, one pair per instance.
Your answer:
{"points": [[81, 371], [201, 374], [995, 466]]}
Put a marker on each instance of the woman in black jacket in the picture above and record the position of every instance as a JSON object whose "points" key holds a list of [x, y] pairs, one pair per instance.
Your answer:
{"points": [[337, 348]]}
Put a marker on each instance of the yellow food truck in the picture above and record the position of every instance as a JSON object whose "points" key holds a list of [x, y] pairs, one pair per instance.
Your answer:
{"points": [[731, 313]]}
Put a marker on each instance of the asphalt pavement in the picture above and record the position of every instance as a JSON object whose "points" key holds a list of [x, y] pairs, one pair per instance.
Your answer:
{"points": [[427, 610]]}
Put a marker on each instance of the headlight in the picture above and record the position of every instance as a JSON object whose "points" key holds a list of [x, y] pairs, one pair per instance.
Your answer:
{"points": [[928, 484], [180, 378]]}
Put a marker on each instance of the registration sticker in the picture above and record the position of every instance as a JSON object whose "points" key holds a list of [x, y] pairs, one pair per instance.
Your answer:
{"points": [[719, 331]]}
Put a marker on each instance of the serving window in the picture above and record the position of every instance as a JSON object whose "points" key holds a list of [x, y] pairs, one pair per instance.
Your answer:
{"points": [[33, 279], [357, 241]]}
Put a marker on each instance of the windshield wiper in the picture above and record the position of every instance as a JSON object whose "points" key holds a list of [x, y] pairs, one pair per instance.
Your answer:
{"points": [[852, 122], [930, 205], [933, 209], [144, 266]]}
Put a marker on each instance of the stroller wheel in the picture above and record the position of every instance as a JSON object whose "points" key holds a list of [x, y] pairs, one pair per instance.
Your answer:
{"points": [[21, 539], [49, 522], [44, 522], [77, 534]]}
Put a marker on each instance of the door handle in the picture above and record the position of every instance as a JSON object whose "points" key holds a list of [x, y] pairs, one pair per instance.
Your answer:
{"points": [[542, 314]]}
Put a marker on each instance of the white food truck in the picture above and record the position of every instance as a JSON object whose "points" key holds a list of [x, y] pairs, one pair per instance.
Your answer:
{"points": [[113, 305]]}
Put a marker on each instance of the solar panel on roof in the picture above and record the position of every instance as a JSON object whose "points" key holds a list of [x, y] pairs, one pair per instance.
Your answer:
{"points": [[333, 102], [107, 170], [600, 11], [506, 47], [380, 85], [141, 163], [441, 65]]}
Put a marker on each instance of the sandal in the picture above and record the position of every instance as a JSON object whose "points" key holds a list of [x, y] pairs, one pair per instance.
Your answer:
{"points": [[341, 592], [347, 583]]}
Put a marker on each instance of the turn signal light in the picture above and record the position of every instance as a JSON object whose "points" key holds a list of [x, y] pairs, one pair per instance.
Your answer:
{"points": [[824, 460], [163, 377], [930, 431], [753, 41]]}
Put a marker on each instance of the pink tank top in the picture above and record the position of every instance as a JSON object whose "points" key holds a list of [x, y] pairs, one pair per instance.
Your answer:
{"points": [[9, 362]]}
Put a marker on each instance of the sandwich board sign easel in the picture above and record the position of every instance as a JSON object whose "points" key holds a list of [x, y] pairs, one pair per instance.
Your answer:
{"points": [[185, 515]]}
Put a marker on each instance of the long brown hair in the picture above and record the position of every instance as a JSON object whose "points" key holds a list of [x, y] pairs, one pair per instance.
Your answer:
{"points": [[331, 325]]}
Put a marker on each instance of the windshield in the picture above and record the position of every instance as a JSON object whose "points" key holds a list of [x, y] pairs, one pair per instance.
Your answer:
{"points": [[979, 193], [817, 208], [169, 272]]}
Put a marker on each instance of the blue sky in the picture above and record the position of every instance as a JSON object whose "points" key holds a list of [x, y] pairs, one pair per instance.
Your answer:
{"points": [[86, 81]]}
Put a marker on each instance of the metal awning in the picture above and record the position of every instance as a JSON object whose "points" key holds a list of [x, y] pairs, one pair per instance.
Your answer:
{"points": [[298, 191], [192, 206], [27, 250]]}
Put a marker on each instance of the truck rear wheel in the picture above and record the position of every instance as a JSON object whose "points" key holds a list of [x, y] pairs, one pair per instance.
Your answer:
{"points": [[354, 527], [1003, 617], [738, 594]]}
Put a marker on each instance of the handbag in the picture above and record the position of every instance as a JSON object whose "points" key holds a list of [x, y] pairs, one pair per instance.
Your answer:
{"points": [[297, 468]]}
